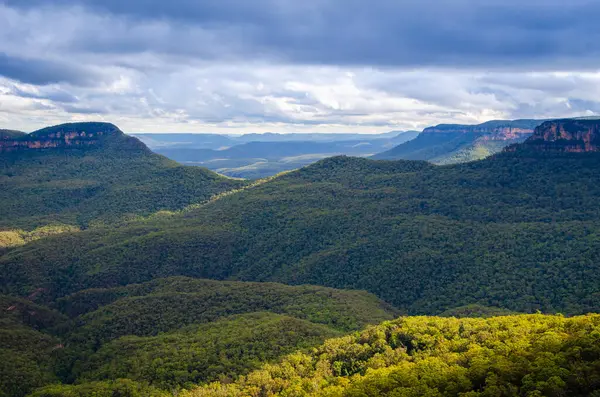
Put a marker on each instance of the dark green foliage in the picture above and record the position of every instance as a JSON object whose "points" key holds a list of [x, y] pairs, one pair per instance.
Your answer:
{"points": [[517, 231], [475, 311], [16, 311], [121, 332], [115, 177], [219, 350], [26, 350], [10, 134], [26, 358], [164, 304], [170, 304], [533, 355], [113, 388]]}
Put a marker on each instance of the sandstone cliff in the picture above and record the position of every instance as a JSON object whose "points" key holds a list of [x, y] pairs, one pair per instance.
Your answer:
{"points": [[69, 136], [567, 135]]}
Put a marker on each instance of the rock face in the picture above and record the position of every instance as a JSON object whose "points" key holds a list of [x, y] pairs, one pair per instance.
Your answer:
{"points": [[568, 136], [492, 130], [72, 135], [451, 143]]}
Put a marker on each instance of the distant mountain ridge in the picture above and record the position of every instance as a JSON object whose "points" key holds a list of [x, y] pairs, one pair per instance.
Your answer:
{"points": [[218, 141], [262, 155], [453, 143]]}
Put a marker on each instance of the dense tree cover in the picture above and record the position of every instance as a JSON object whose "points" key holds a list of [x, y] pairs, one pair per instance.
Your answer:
{"points": [[527, 355], [112, 388], [475, 310], [168, 333], [164, 304], [18, 237], [10, 134], [114, 178], [219, 350], [517, 231], [27, 350], [168, 305]]}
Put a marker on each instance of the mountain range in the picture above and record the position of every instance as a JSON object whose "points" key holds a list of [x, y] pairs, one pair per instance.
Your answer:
{"points": [[124, 273], [454, 143], [255, 156]]}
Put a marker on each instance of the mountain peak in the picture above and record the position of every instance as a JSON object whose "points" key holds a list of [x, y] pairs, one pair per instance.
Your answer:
{"points": [[72, 130], [565, 135], [71, 136], [496, 129], [10, 134]]}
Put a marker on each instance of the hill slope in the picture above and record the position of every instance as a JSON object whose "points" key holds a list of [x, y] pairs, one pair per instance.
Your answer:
{"points": [[454, 143], [519, 231], [85, 172], [531, 355], [170, 333]]}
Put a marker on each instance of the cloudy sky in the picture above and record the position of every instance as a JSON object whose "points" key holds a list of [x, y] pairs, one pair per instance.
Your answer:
{"points": [[293, 66]]}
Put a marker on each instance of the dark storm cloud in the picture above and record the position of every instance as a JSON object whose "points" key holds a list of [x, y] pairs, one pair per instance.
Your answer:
{"points": [[43, 72], [59, 96], [397, 33]]}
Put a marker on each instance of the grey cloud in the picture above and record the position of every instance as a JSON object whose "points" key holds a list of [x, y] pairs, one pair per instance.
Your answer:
{"points": [[84, 110], [43, 72], [515, 34], [57, 95]]}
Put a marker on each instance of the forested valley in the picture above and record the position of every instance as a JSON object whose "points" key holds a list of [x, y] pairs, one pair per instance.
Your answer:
{"points": [[126, 274]]}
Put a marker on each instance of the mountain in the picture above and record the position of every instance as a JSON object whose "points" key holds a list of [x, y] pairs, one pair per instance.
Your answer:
{"points": [[254, 156], [188, 141], [185, 302], [220, 141], [169, 333], [532, 355], [84, 173], [10, 134], [516, 231], [567, 136], [262, 159], [453, 143]]}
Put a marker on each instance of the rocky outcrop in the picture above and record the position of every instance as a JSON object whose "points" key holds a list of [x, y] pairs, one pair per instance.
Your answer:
{"points": [[448, 143], [501, 130], [72, 135], [567, 136]]}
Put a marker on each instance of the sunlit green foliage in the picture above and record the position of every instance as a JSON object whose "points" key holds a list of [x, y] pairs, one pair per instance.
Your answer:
{"points": [[532, 355], [113, 388], [17, 237]]}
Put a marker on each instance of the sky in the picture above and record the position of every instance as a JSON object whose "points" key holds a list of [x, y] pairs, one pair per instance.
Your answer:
{"points": [[238, 66]]}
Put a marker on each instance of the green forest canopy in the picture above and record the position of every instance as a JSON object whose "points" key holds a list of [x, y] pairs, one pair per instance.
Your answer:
{"points": [[518, 231]]}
